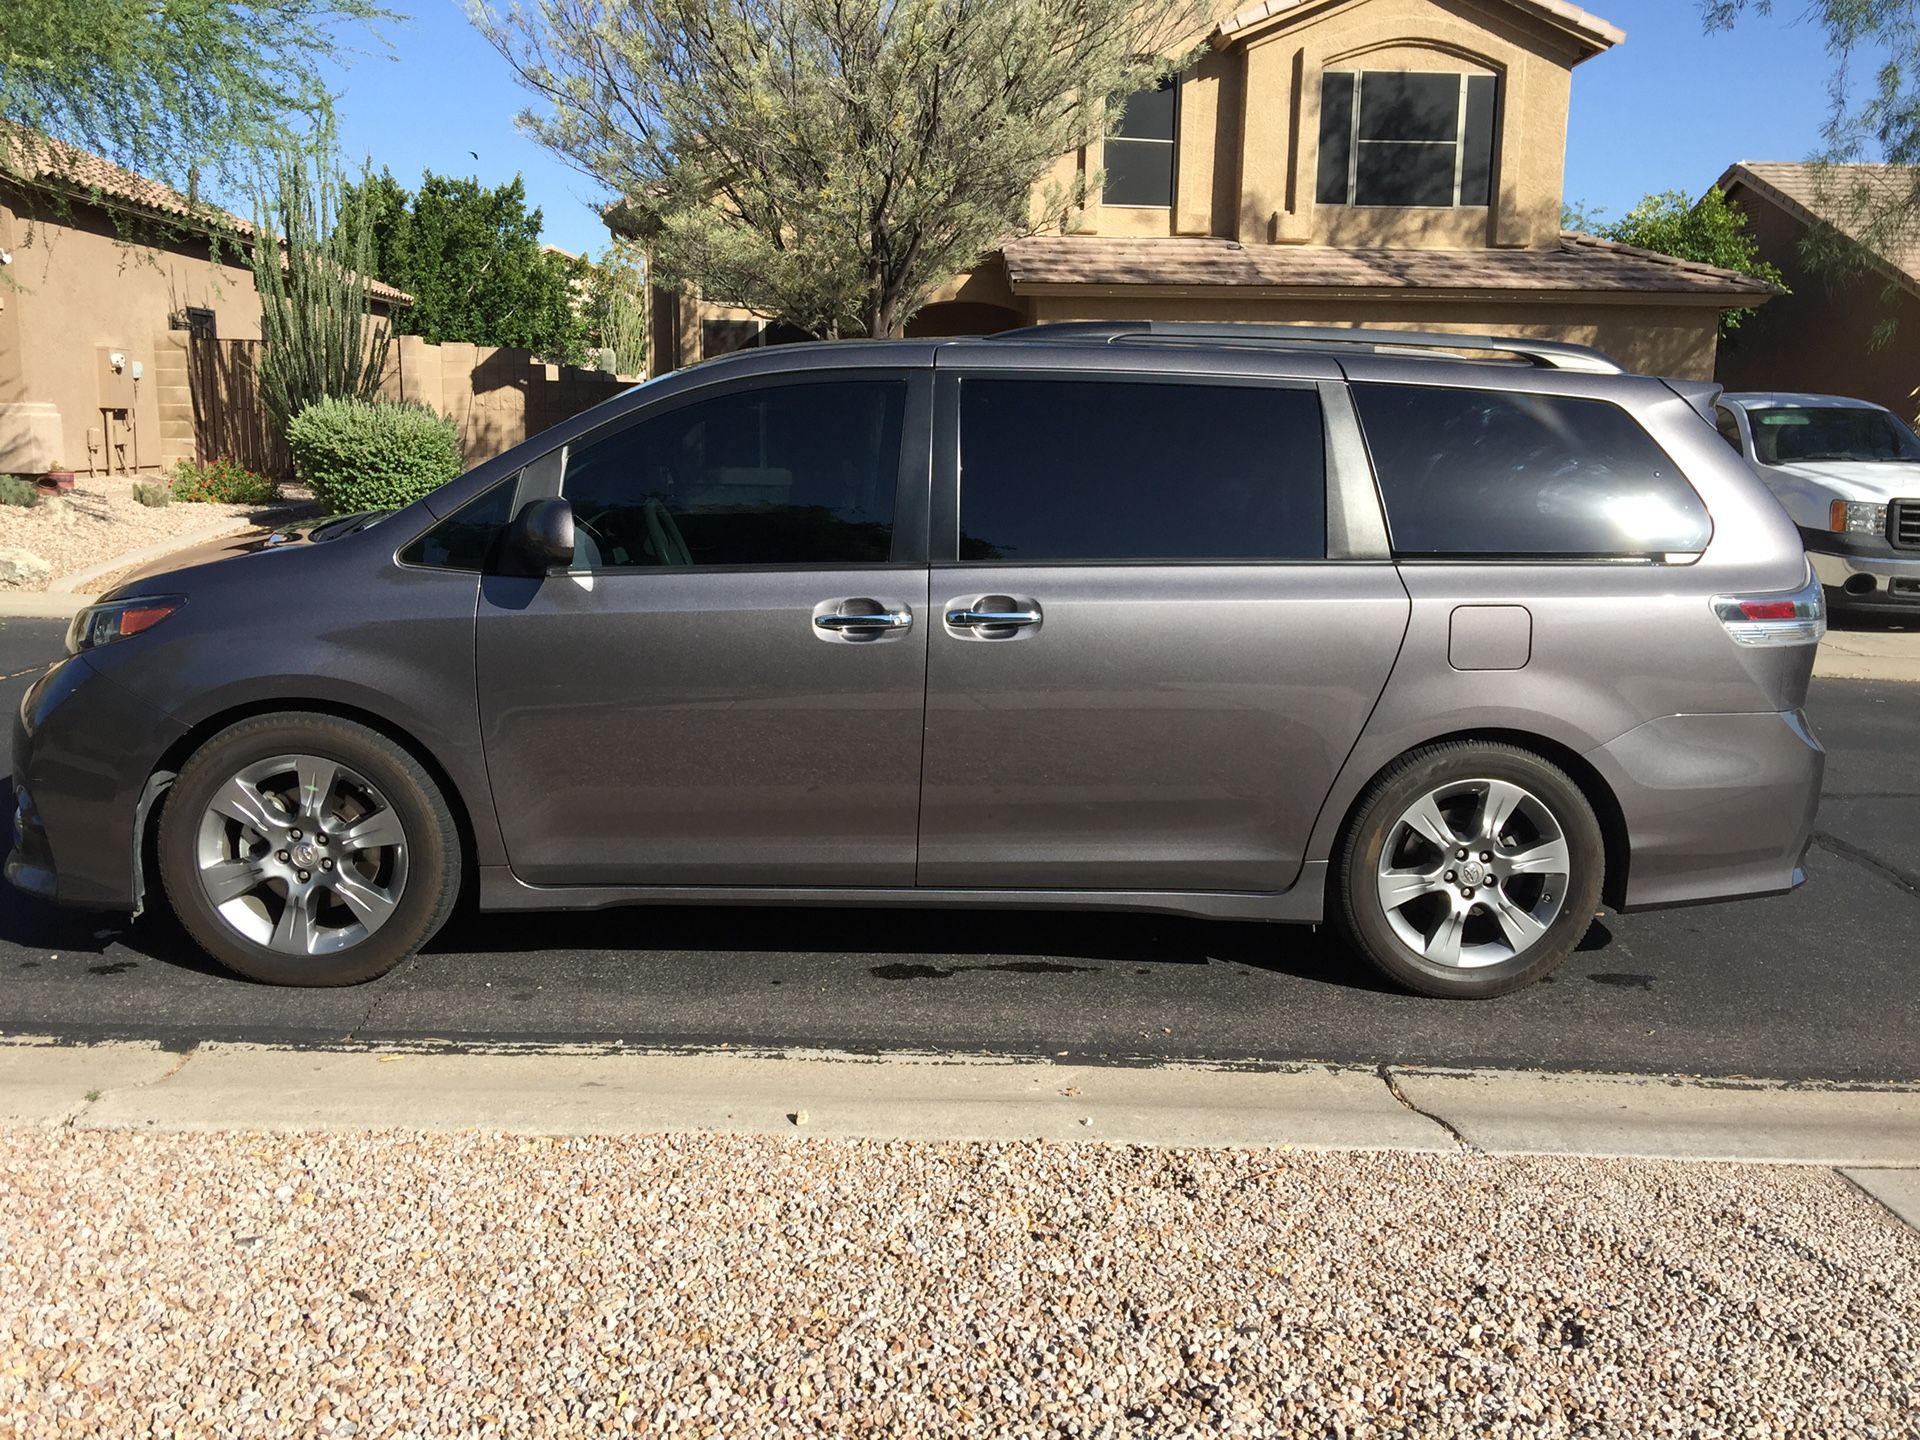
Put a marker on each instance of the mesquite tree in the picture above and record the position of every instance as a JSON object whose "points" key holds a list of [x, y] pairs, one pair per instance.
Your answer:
{"points": [[171, 88], [321, 340], [831, 163]]}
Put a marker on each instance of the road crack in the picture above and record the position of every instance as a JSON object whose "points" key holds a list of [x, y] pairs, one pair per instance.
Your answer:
{"points": [[1846, 851], [1393, 1088], [94, 1097]]}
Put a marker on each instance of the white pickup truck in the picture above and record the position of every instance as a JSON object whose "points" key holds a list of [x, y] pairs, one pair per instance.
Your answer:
{"points": [[1848, 472]]}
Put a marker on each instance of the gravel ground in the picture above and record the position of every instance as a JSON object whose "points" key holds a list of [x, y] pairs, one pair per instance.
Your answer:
{"points": [[245, 1285], [99, 519]]}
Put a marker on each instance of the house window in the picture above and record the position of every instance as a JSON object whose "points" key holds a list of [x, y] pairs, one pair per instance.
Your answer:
{"points": [[1405, 138], [1140, 150]]}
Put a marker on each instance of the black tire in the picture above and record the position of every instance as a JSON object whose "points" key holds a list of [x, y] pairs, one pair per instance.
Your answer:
{"points": [[432, 847], [1362, 916]]}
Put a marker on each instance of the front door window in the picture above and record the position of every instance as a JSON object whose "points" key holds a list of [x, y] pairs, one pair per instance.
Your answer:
{"points": [[775, 475]]}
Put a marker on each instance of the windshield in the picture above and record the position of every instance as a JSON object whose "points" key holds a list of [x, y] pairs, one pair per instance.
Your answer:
{"points": [[1786, 434]]}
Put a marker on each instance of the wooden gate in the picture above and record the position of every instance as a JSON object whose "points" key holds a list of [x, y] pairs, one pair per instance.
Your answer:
{"points": [[230, 421]]}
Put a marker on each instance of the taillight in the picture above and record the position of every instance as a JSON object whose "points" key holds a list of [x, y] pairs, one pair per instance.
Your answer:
{"points": [[1799, 618]]}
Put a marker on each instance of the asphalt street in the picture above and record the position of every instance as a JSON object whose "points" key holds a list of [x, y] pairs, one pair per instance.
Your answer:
{"points": [[1821, 984]]}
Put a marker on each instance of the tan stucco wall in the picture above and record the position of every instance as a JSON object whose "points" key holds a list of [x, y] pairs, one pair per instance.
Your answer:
{"points": [[1820, 338], [1248, 133], [76, 285]]}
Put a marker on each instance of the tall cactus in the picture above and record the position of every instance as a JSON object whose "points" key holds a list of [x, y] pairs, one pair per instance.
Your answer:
{"points": [[321, 340]]}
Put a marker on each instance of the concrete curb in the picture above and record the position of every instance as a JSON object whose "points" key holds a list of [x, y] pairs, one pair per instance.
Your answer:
{"points": [[1866, 667], [1649, 1117], [248, 1087], [39, 605]]}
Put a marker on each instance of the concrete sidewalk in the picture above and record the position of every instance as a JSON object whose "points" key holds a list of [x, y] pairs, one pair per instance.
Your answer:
{"points": [[1870, 653], [245, 1087]]}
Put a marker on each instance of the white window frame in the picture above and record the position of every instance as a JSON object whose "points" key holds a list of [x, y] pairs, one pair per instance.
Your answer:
{"points": [[1354, 142]]}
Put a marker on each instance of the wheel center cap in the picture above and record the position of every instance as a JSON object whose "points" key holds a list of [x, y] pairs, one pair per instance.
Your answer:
{"points": [[303, 856], [1473, 873]]}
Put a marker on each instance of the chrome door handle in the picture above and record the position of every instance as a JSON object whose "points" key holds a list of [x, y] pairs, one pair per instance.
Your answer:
{"points": [[883, 620], [968, 619]]}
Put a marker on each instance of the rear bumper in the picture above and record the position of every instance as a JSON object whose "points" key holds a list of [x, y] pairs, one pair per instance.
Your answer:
{"points": [[1717, 807], [1865, 573], [83, 747]]}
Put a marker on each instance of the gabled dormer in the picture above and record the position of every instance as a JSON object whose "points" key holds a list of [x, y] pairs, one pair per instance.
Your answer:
{"points": [[1355, 123]]}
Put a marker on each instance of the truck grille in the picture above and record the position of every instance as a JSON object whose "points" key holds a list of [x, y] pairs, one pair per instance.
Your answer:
{"points": [[1903, 524]]}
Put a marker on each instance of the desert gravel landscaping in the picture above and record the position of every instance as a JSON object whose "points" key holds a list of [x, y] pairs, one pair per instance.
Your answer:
{"points": [[396, 1285], [99, 519]]}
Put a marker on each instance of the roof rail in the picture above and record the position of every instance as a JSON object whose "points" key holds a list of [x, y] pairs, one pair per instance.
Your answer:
{"points": [[1547, 354]]}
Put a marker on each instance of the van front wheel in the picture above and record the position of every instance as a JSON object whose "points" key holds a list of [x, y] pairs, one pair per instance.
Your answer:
{"points": [[304, 849], [1471, 869]]}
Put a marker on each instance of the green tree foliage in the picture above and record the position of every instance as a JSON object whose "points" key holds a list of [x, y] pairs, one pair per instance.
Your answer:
{"points": [[172, 87], [830, 163], [1874, 47], [321, 340], [372, 454], [1707, 230], [471, 258], [615, 307]]}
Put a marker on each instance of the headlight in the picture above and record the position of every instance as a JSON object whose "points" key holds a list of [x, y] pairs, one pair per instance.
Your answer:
{"points": [[1857, 517], [117, 620]]}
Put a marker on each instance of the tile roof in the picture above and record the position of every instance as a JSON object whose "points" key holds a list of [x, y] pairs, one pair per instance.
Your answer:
{"points": [[1596, 32], [1807, 191], [1579, 264], [37, 159]]}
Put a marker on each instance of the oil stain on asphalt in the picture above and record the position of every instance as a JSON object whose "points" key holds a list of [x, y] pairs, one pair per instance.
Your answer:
{"points": [[1624, 982], [1017, 967]]}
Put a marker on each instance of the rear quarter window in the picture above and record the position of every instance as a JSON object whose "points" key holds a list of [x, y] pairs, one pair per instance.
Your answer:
{"points": [[1481, 472]]}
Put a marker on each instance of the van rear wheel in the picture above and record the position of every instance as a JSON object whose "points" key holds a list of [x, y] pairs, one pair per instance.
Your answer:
{"points": [[303, 849], [1470, 869]]}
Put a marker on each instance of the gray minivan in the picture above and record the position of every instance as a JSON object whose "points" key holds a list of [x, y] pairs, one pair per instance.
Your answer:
{"points": [[1441, 640]]}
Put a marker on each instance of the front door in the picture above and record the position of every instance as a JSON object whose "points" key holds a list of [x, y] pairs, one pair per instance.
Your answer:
{"points": [[1144, 671], [728, 688]]}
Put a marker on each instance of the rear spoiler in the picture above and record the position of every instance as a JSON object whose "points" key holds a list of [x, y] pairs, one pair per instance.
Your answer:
{"points": [[1702, 395]]}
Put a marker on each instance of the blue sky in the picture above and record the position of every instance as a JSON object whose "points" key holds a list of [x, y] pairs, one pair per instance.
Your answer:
{"points": [[1670, 109]]}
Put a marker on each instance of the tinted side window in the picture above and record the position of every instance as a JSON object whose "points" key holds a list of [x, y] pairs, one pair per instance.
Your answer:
{"points": [[465, 538], [1477, 472], [782, 475], [1098, 470], [1729, 428]]}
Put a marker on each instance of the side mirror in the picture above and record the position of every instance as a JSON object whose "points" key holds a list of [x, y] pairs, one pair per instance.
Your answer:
{"points": [[541, 536]]}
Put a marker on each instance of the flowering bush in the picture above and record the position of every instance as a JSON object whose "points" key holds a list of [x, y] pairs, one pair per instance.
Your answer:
{"points": [[222, 483]]}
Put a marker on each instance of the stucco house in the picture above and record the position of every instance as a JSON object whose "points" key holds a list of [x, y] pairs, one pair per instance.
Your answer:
{"points": [[1828, 335], [107, 276], [1369, 162]]}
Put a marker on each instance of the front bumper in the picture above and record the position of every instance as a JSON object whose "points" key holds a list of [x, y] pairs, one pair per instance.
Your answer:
{"points": [[1717, 807], [1865, 571], [83, 748]]}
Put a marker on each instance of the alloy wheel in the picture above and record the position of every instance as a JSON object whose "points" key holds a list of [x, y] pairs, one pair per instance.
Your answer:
{"points": [[302, 855], [1474, 873]]}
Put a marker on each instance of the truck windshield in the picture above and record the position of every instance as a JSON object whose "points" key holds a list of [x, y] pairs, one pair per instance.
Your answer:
{"points": [[1790, 434]]}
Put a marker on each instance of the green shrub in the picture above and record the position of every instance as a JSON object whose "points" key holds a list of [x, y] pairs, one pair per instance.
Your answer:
{"points": [[152, 496], [18, 490], [372, 455], [222, 482]]}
